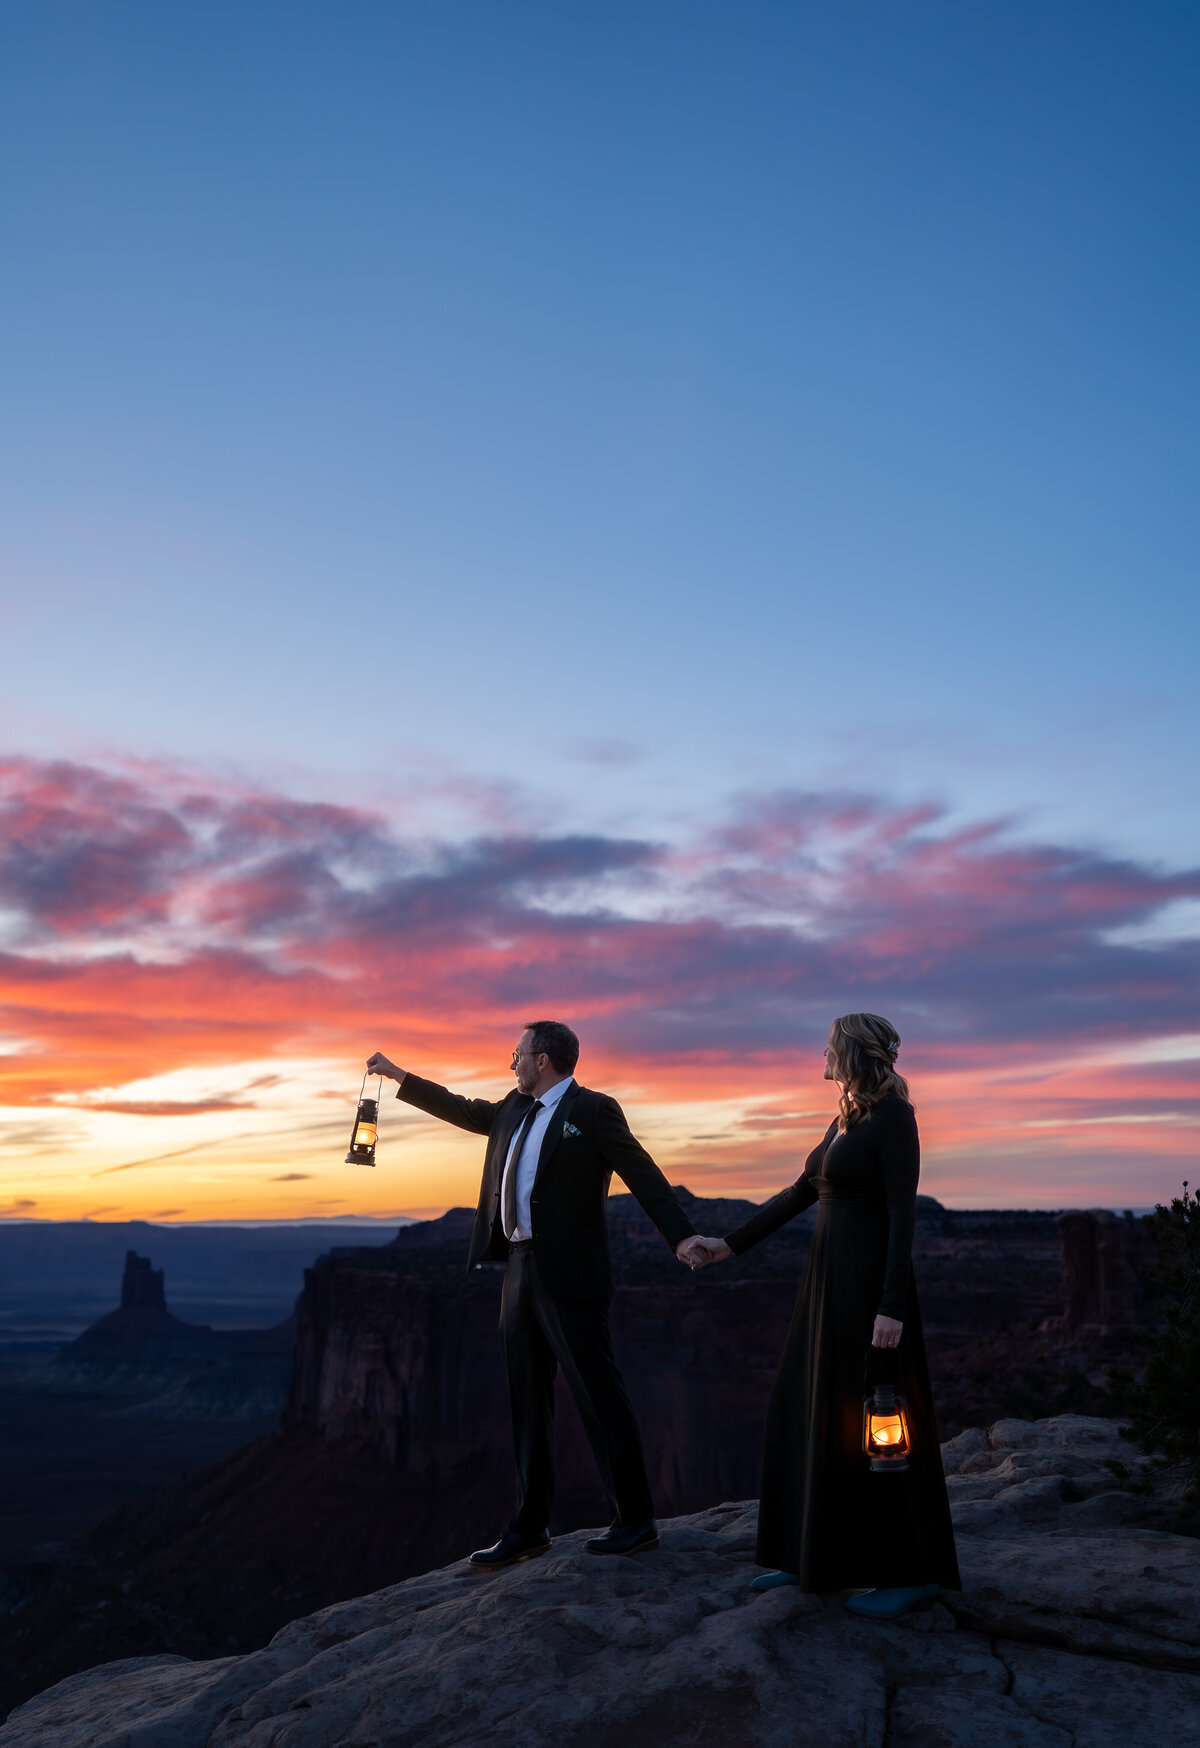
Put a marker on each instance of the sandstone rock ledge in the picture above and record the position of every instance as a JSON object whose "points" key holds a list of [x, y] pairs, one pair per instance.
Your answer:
{"points": [[1078, 1627]]}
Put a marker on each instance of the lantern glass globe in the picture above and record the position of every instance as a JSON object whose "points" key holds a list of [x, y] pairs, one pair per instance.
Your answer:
{"points": [[886, 1429]]}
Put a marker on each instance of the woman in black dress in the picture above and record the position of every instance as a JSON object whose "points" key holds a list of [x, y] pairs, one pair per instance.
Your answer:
{"points": [[826, 1520]]}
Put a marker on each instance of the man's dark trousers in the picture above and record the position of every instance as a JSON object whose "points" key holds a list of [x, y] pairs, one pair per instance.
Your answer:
{"points": [[537, 1335]]}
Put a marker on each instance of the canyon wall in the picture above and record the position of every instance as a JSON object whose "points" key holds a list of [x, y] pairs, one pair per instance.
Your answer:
{"points": [[395, 1346], [393, 1456]]}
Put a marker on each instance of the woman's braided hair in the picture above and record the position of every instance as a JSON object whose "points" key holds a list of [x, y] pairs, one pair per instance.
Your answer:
{"points": [[864, 1060]]}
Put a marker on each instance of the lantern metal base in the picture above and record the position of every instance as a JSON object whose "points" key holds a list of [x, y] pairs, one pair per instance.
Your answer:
{"points": [[888, 1465], [357, 1159]]}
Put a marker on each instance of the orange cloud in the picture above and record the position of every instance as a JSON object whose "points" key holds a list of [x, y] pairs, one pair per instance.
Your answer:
{"points": [[177, 955]]}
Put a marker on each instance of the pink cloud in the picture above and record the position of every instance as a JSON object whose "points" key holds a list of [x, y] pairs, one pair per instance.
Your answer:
{"points": [[161, 925]]}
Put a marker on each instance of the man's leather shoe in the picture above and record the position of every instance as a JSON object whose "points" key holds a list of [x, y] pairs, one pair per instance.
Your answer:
{"points": [[625, 1538], [511, 1547]]}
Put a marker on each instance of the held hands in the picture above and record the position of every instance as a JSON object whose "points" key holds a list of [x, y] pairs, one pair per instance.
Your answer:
{"points": [[698, 1252], [887, 1332]]}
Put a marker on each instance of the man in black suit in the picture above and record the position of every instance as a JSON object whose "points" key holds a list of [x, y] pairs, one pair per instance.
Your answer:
{"points": [[552, 1149]]}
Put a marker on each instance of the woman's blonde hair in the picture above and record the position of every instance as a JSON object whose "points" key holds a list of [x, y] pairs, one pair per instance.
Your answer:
{"points": [[864, 1060]]}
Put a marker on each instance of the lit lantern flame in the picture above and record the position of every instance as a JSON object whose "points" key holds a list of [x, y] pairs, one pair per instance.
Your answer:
{"points": [[885, 1429], [366, 1135]]}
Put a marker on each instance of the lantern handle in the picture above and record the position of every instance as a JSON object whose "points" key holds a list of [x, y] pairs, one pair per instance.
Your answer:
{"points": [[378, 1092], [872, 1352]]}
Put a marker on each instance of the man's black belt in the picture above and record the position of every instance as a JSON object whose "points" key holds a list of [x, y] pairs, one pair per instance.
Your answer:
{"points": [[517, 1245]]}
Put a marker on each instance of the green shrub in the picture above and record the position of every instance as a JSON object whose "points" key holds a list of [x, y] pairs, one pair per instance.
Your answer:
{"points": [[1163, 1410]]}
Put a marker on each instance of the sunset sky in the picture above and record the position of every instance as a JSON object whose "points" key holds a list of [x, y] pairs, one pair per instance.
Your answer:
{"points": [[676, 517]]}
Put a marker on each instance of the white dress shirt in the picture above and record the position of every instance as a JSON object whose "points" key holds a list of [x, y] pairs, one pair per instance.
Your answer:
{"points": [[526, 1166]]}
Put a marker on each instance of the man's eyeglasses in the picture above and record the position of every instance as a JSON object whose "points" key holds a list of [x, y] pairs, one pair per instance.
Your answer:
{"points": [[532, 1054]]}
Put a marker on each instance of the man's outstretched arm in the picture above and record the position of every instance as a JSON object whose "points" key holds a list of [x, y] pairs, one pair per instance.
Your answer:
{"points": [[626, 1156], [477, 1115]]}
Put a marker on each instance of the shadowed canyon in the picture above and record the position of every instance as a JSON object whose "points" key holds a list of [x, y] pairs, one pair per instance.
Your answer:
{"points": [[392, 1454]]}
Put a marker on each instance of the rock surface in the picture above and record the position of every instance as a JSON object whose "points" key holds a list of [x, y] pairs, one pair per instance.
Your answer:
{"points": [[1076, 1628], [1059, 1551]]}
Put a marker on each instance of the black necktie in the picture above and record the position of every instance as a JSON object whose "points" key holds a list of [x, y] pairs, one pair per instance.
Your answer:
{"points": [[510, 1182]]}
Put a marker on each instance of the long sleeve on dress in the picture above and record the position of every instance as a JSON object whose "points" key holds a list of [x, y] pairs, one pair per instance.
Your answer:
{"points": [[900, 1163], [781, 1208]]}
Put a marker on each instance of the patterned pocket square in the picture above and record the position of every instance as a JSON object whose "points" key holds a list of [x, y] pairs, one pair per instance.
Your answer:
{"points": [[570, 1129]]}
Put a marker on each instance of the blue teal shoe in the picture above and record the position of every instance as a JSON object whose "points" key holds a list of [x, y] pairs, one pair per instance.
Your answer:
{"points": [[885, 1605], [773, 1580]]}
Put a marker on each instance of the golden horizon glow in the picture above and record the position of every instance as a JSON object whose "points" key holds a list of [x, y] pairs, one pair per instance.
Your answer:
{"points": [[265, 1138]]}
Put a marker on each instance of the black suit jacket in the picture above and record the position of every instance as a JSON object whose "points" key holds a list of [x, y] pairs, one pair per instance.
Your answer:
{"points": [[587, 1141]]}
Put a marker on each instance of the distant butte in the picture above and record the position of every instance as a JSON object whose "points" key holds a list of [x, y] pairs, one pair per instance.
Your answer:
{"points": [[197, 1369]]}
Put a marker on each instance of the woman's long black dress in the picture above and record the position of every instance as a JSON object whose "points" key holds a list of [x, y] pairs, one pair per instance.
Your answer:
{"points": [[824, 1514]]}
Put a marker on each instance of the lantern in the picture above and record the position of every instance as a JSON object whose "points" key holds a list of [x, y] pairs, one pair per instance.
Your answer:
{"points": [[885, 1428], [365, 1132]]}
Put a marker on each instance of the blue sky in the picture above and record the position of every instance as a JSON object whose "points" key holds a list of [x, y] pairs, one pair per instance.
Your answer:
{"points": [[787, 394], [538, 419]]}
